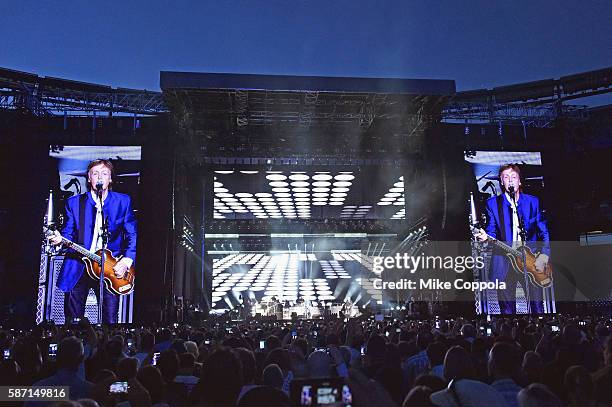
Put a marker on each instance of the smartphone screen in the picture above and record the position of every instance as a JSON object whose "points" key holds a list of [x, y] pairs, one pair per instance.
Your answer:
{"points": [[262, 344], [320, 392], [118, 388], [6, 354], [52, 350], [489, 331], [155, 357]]}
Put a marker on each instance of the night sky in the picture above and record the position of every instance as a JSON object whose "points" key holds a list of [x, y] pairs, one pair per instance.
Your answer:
{"points": [[477, 43]]}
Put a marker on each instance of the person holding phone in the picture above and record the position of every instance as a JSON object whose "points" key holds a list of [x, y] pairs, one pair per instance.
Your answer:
{"points": [[70, 354]]}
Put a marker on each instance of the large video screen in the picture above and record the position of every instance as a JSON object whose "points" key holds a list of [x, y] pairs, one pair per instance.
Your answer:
{"points": [[485, 165], [121, 210], [314, 193]]}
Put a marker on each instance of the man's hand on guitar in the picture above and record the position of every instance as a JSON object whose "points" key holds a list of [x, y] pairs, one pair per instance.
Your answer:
{"points": [[541, 262], [55, 238], [481, 235], [122, 267]]}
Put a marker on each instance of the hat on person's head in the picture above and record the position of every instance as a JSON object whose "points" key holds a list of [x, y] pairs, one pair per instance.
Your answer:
{"points": [[466, 392], [272, 375], [192, 348]]}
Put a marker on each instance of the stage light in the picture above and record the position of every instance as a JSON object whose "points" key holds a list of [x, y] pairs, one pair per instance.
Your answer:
{"points": [[299, 184], [224, 195], [399, 184], [224, 172], [320, 190], [321, 177], [263, 195], [281, 190], [299, 177], [338, 194], [339, 184], [217, 185], [344, 177], [301, 190], [321, 184], [340, 190]]}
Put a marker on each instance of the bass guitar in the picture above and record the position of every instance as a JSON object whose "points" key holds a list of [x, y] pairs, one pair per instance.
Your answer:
{"points": [[541, 278], [93, 265]]}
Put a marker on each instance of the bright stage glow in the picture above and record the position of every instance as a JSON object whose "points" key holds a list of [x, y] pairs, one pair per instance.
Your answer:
{"points": [[327, 191]]}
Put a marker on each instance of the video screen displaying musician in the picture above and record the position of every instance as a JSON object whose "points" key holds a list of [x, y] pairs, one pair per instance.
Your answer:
{"points": [[95, 211], [510, 186]]}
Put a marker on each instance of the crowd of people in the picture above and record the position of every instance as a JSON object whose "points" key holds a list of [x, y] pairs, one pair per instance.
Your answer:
{"points": [[500, 361]]}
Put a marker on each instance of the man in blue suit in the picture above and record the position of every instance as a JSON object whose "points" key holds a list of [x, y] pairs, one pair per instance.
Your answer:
{"points": [[85, 229], [503, 225]]}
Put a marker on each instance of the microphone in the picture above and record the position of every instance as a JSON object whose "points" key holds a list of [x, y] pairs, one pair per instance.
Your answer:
{"points": [[511, 189], [99, 185]]}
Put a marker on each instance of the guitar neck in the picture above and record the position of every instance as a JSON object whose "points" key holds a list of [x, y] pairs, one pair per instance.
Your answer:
{"points": [[81, 250], [501, 245], [504, 246]]}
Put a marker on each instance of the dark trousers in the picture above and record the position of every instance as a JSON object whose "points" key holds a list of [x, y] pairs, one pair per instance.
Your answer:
{"points": [[507, 297], [74, 300]]}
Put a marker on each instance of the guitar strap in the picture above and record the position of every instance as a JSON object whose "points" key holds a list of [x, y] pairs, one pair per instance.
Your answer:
{"points": [[502, 220], [82, 202]]}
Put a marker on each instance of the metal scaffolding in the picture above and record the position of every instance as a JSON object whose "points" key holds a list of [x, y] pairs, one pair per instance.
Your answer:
{"points": [[46, 96]]}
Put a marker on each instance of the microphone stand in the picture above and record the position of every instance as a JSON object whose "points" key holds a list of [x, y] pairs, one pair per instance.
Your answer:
{"points": [[523, 235], [104, 231]]}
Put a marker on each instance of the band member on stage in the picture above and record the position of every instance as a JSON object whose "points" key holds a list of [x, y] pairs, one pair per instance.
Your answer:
{"points": [[503, 225], [247, 306], [85, 229]]}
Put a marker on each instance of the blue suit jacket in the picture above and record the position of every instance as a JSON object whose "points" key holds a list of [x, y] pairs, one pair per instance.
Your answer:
{"points": [[122, 230], [535, 225]]}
